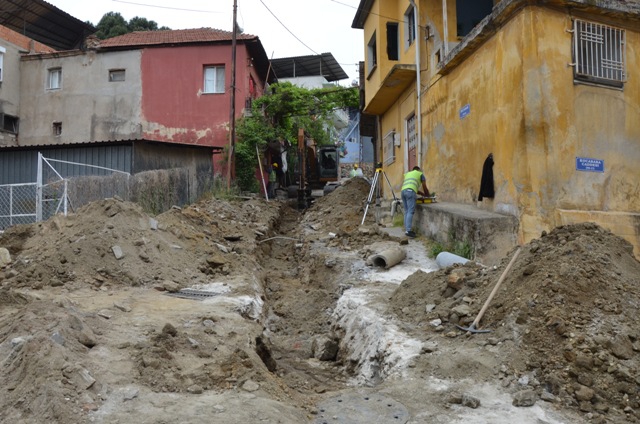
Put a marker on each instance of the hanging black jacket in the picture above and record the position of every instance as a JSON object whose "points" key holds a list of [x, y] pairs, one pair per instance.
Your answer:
{"points": [[486, 182]]}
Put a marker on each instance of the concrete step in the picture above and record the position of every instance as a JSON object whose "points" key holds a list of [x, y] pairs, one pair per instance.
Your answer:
{"points": [[491, 235]]}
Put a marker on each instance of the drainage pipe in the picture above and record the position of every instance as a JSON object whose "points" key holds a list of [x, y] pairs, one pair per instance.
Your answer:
{"points": [[388, 258], [446, 259]]}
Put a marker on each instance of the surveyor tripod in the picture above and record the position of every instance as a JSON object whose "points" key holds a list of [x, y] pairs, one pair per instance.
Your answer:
{"points": [[376, 191]]}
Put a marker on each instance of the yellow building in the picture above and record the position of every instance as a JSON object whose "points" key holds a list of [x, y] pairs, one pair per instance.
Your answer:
{"points": [[547, 88]]}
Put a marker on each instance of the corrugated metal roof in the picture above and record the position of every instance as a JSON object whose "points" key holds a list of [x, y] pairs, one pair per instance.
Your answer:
{"points": [[171, 37], [45, 23], [308, 66], [104, 142]]}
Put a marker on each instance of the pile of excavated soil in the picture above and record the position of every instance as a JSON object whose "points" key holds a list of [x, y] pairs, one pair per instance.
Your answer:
{"points": [[565, 318], [51, 345], [110, 243]]}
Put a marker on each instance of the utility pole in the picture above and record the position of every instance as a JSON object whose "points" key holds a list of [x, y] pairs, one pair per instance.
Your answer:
{"points": [[232, 113]]}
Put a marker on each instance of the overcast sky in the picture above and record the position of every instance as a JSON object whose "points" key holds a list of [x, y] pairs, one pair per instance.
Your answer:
{"points": [[312, 26]]}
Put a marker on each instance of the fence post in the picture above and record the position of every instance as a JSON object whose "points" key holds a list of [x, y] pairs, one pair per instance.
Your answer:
{"points": [[39, 189], [65, 198]]}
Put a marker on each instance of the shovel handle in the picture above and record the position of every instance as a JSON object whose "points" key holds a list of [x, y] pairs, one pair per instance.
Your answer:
{"points": [[495, 289]]}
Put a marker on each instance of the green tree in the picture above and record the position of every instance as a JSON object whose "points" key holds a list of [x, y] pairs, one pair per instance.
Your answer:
{"points": [[113, 24], [279, 114]]}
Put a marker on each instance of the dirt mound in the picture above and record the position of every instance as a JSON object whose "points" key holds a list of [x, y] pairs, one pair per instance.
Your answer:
{"points": [[111, 242], [568, 308]]}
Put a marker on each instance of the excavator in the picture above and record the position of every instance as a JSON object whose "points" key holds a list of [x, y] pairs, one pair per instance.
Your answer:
{"points": [[317, 168]]}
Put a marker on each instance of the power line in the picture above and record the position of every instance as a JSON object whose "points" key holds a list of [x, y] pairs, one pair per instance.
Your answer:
{"points": [[285, 27], [165, 7], [373, 13]]}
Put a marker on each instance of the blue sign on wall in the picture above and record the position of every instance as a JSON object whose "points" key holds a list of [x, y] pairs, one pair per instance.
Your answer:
{"points": [[466, 109], [589, 164]]}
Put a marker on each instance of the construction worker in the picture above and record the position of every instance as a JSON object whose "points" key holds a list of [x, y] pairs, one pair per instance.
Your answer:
{"points": [[356, 171], [412, 181], [271, 187]]}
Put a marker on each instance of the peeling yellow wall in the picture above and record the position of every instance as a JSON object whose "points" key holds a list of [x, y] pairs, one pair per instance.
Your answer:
{"points": [[394, 118], [525, 109]]}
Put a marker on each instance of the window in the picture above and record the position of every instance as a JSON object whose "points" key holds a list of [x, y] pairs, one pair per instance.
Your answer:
{"points": [[9, 123], [469, 13], [599, 54], [412, 136], [392, 41], [388, 147], [57, 128], [372, 55], [213, 79], [116, 75], [54, 80], [2, 52], [409, 26]]}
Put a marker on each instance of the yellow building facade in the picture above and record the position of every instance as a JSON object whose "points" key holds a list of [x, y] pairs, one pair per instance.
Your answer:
{"points": [[549, 89]]}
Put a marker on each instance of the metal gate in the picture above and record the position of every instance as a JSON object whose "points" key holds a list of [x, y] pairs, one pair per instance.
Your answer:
{"points": [[60, 187]]}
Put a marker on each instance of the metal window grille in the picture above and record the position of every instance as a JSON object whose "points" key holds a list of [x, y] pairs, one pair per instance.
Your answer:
{"points": [[599, 52], [412, 136], [388, 147]]}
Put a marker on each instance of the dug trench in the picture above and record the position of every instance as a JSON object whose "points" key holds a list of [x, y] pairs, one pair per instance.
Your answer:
{"points": [[297, 326]]}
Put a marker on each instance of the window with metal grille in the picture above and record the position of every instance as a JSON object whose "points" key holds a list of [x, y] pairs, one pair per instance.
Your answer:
{"points": [[388, 147], [412, 136], [599, 53]]}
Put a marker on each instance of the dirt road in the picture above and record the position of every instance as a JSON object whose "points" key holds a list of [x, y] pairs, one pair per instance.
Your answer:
{"points": [[248, 311]]}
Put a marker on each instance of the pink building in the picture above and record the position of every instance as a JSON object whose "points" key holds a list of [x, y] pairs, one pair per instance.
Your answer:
{"points": [[169, 86]]}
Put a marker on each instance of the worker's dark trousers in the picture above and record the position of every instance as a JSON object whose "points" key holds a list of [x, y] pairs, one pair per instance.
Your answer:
{"points": [[409, 204]]}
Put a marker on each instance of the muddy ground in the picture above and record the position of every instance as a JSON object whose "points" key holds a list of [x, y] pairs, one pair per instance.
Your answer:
{"points": [[248, 311]]}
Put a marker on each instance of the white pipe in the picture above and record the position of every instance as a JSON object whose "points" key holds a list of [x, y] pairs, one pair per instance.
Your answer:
{"points": [[418, 87], [445, 41]]}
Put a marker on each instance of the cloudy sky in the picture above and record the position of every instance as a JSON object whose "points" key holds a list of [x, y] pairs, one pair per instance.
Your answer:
{"points": [[285, 27]]}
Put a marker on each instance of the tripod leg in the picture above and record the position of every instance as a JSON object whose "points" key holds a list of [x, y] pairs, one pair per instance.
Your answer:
{"points": [[374, 184]]}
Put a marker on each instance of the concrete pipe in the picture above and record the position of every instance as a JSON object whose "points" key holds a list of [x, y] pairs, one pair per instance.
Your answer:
{"points": [[446, 259], [388, 258]]}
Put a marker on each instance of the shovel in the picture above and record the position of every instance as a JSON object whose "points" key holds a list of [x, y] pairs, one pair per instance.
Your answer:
{"points": [[472, 328]]}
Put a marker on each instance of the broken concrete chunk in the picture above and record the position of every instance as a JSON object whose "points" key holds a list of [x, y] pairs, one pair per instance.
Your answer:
{"points": [[122, 307], [470, 401], [524, 398], [117, 252], [130, 395], [250, 386], [170, 286], [222, 248], [5, 257], [58, 338], [195, 389], [462, 310], [215, 261], [325, 348], [153, 224]]}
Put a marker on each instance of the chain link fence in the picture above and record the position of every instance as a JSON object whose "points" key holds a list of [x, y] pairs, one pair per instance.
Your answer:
{"points": [[61, 186], [17, 204]]}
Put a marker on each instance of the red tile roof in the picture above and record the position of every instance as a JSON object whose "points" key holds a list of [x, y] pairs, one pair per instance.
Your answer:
{"points": [[179, 36]]}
